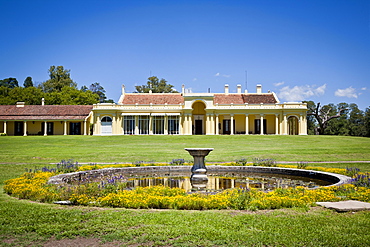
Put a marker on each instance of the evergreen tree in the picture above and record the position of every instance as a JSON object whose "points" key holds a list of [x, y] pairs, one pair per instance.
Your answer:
{"points": [[59, 78], [28, 82]]}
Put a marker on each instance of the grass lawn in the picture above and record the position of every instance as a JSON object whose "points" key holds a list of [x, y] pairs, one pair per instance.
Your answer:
{"points": [[24, 223], [111, 149]]}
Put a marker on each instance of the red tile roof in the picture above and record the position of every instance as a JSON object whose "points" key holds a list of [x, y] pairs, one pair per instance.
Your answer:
{"points": [[155, 99], [224, 99], [45, 112]]}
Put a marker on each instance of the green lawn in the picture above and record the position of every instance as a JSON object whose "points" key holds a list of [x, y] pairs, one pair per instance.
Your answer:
{"points": [[111, 149], [24, 223]]}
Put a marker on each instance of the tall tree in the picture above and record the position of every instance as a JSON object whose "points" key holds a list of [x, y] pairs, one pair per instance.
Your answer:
{"points": [[59, 78], [156, 86], [356, 121], [28, 82], [367, 121], [339, 126], [99, 90], [9, 82], [323, 115]]}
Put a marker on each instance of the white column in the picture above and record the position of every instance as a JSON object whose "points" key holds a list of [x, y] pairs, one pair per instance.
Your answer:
{"points": [[45, 128], [25, 128], [247, 124], [4, 127], [84, 127], [207, 124], [136, 125], [285, 125], [232, 124], [166, 125], [98, 129], [276, 124], [212, 123], [114, 124], [261, 125], [217, 123], [190, 126], [185, 124], [65, 128], [150, 125], [300, 124], [304, 125], [180, 125]]}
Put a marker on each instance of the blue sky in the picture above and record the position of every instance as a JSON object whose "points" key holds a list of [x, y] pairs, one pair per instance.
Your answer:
{"points": [[302, 50]]}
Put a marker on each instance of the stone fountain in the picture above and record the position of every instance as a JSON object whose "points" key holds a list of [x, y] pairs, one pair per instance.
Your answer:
{"points": [[199, 177]]}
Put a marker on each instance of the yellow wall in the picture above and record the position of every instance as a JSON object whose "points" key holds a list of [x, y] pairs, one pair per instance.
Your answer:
{"points": [[239, 123], [198, 108], [10, 128]]}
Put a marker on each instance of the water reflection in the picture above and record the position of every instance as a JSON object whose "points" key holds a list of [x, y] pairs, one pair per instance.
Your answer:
{"points": [[217, 183]]}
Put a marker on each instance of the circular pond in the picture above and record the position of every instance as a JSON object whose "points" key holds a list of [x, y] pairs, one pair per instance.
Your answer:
{"points": [[219, 177]]}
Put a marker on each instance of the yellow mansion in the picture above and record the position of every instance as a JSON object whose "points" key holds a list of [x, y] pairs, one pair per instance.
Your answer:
{"points": [[200, 114], [162, 114]]}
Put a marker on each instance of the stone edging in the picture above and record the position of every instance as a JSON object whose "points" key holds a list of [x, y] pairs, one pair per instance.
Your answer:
{"points": [[336, 179]]}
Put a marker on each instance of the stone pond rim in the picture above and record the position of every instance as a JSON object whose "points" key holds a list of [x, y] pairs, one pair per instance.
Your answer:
{"points": [[334, 178]]}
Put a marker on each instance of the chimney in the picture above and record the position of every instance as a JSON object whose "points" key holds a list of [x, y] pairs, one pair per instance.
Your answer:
{"points": [[239, 88], [43, 101], [259, 88], [123, 89], [20, 104], [183, 89], [226, 88]]}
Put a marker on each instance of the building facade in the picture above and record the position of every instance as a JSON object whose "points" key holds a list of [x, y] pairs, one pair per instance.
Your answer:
{"points": [[200, 114], [23, 120], [162, 114]]}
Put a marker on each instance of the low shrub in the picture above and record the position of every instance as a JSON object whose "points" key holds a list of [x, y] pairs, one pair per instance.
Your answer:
{"points": [[242, 161], [264, 162], [302, 165]]}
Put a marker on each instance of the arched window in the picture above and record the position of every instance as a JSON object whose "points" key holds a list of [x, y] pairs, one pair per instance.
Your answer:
{"points": [[106, 125]]}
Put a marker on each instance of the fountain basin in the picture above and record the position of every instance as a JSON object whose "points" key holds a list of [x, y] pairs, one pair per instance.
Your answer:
{"points": [[332, 179]]}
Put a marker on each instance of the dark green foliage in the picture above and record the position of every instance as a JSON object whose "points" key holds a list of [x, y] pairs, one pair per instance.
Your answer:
{"points": [[28, 82], [71, 96], [345, 119], [96, 88], [156, 86], [9, 82], [59, 78]]}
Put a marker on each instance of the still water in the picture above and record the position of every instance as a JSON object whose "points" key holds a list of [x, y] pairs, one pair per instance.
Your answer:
{"points": [[264, 182]]}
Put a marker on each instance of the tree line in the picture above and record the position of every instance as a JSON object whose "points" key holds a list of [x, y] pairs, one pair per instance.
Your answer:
{"points": [[59, 89], [340, 119]]}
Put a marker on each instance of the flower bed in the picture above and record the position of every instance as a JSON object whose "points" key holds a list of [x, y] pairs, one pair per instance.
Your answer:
{"points": [[112, 193]]}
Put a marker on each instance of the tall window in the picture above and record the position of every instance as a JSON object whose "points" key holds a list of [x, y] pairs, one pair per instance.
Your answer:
{"points": [[158, 125], [129, 125], [173, 125], [143, 125]]}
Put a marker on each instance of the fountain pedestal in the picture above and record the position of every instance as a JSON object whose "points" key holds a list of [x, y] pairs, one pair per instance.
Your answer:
{"points": [[199, 177]]}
